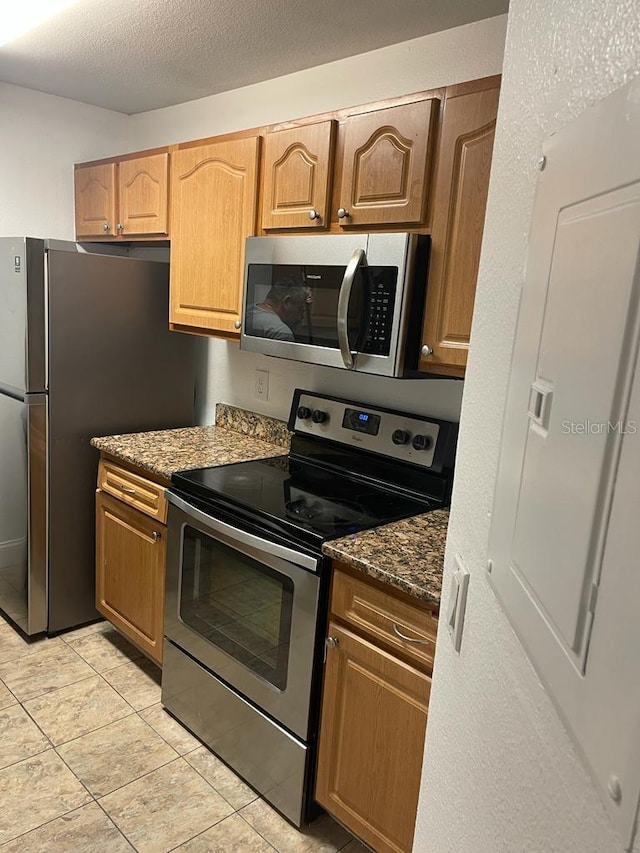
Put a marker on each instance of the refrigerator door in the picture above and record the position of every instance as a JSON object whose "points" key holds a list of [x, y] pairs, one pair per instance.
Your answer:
{"points": [[23, 511], [114, 367], [22, 318]]}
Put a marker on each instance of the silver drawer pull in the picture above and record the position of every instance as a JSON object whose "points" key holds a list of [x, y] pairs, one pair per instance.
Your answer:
{"points": [[402, 636], [155, 535], [128, 490]]}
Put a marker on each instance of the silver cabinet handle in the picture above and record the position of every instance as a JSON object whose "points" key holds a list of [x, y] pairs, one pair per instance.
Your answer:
{"points": [[155, 535], [128, 490], [358, 258], [106, 227], [342, 213], [332, 642], [426, 350], [120, 226], [313, 214], [402, 636], [237, 324]]}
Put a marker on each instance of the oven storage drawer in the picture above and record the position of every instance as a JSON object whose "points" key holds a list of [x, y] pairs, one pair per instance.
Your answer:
{"points": [[384, 618], [270, 759], [136, 491]]}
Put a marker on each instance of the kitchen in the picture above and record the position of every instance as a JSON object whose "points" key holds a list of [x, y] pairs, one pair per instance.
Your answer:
{"points": [[78, 133]]}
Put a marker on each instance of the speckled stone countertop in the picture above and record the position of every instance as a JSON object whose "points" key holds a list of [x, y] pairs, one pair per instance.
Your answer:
{"points": [[234, 438], [407, 554]]}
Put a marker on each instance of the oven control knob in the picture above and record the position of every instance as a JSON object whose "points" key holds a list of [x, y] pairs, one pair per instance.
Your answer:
{"points": [[319, 417], [421, 442], [400, 436], [304, 412]]}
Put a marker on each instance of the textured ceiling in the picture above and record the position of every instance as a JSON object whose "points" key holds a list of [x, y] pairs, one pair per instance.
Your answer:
{"points": [[138, 55]]}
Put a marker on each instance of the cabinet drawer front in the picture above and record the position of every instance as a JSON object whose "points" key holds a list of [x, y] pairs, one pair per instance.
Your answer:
{"points": [[382, 617], [136, 491]]}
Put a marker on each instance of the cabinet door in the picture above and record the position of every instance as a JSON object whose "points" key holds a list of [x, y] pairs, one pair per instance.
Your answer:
{"points": [[374, 717], [143, 187], [385, 165], [95, 191], [213, 211], [459, 202], [297, 177], [130, 568]]}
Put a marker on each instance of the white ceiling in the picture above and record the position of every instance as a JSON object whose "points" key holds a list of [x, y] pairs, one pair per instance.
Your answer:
{"points": [[138, 55]]}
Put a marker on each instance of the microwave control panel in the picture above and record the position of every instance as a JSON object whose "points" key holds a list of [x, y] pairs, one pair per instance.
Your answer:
{"points": [[380, 318], [408, 438]]}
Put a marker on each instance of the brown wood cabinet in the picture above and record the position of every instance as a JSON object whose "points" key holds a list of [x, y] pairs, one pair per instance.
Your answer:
{"points": [[417, 163], [374, 712], [459, 200], [123, 199], [297, 173], [213, 210], [130, 560], [385, 156]]}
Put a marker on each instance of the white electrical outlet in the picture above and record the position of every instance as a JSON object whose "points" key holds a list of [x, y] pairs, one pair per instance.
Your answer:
{"points": [[261, 390]]}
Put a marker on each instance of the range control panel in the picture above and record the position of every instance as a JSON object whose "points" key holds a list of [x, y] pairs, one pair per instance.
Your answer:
{"points": [[409, 438]]}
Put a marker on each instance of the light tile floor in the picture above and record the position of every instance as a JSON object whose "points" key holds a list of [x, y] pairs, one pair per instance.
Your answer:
{"points": [[91, 763]]}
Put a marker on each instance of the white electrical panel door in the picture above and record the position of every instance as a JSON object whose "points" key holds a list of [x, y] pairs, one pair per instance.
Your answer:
{"points": [[566, 423]]}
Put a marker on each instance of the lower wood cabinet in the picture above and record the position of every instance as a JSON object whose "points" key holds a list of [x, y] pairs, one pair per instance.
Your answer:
{"points": [[374, 718], [130, 572]]}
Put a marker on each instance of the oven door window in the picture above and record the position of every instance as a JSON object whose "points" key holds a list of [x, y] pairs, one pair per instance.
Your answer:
{"points": [[238, 604]]}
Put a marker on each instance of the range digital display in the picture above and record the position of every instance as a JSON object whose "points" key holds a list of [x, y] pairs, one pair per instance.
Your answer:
{"points": [[361, 421]]}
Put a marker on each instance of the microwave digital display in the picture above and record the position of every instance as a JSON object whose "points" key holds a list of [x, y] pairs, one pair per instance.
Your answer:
{"points": [[361, 421]]}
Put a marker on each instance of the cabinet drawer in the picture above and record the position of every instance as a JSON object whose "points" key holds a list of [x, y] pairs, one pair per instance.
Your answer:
{"points": [[382, 617], [136, 491]]}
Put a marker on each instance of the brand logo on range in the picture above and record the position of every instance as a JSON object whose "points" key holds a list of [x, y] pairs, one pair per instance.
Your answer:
{"points": [[314, 277]]}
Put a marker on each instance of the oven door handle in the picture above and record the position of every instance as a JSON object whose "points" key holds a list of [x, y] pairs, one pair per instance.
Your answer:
{"points": [[358, 259], [242, 537]]}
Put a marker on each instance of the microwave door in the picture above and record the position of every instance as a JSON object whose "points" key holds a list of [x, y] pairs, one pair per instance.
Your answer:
{"points": [[357, 264]]}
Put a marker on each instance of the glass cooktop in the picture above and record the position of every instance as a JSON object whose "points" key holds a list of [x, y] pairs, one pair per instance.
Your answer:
{"points": [[313, 503]]}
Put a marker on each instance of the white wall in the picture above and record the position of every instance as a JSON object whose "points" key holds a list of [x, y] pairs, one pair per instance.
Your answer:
{"points": [[500, 772], [465, 53], [41, 137]]}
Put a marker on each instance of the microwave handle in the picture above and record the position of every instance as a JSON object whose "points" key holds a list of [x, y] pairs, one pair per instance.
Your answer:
{"points": [[358, 258]]}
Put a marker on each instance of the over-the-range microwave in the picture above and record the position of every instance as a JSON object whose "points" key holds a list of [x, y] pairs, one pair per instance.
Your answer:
{"points": [[349, 301]]}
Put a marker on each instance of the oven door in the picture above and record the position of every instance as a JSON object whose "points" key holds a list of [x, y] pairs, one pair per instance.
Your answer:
{"points": [[245, 608]]}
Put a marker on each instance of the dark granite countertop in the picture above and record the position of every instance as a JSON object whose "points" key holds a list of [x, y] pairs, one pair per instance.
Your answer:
{"points": [[239, 436], [407, 554]]}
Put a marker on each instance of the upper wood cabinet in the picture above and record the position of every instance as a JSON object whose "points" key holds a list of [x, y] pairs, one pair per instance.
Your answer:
{"points": [[123, 199], [143, 193], [95, 193], [297, 176], [385, 157], [459, 200], [213, 211]]}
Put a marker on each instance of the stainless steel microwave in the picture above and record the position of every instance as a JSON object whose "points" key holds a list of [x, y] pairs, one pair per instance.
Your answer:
{"points": [[349, 301]]}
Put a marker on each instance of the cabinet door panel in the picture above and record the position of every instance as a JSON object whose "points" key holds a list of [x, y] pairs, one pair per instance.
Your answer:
{"points": [[130, 568], [143, 186], [95, 192], [297, 176], [460, 199], [374, 717], [386, 158], [213, 205]]}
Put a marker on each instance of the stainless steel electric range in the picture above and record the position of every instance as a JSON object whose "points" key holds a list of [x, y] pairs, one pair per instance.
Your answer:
{"points": [[247, 583]]}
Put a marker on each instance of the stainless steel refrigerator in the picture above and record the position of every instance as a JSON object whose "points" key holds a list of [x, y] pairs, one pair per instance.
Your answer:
{"points": [[85, 350]]}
